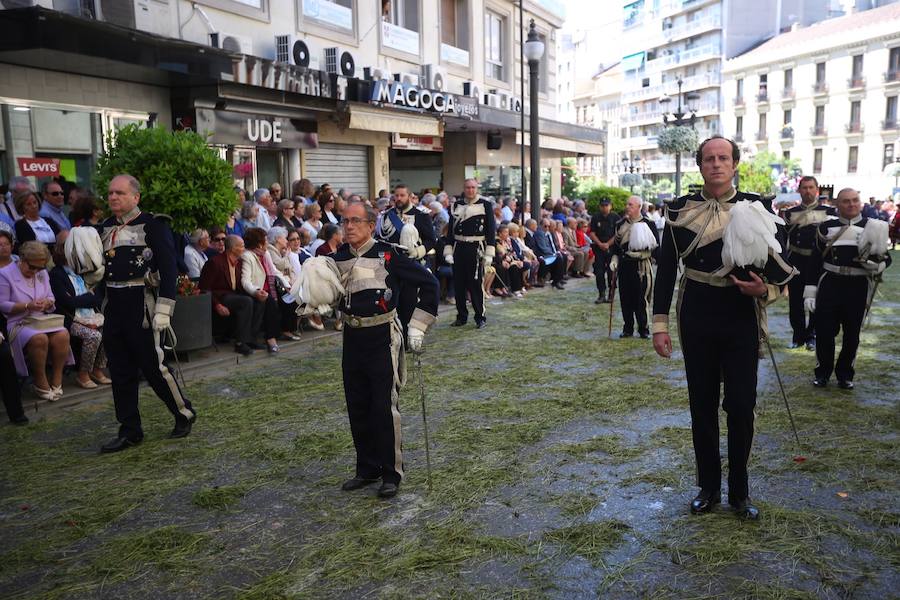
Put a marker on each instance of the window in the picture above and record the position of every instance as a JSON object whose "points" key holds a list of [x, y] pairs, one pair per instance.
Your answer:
{"points": [[894, 64], [788, 79], [855, 111], [857, 71], [887, 156], [786, 155], [495, 46], [402, 13], [331, 14], [820, 117], [740, 88], [788, 115], [455, 23], [852, 159], [739, 127], [761, 132], [817, 161], [763, 88], [890, 110], [258, 9], [820, 73]]}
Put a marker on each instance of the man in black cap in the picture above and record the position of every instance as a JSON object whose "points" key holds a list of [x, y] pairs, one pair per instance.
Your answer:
{"points": [[603, 230]]}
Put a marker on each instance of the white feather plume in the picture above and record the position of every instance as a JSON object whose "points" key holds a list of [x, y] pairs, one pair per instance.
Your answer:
{"points": [[409, 236], [319, 284], [84, 253], [749, 235], [874, 239], [641, 238]]}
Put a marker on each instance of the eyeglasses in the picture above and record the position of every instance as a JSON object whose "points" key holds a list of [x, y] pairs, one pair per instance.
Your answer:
{"points": [[293, 239], [355, 221], [218, 239], [54, 193]]}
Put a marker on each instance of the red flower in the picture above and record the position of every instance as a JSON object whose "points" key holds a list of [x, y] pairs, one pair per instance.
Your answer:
{"points": [[387, 257], [382, 304]]}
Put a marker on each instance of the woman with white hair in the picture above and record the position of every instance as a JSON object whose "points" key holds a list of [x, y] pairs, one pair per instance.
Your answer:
{"points": [[195, 253], [281, 260]]}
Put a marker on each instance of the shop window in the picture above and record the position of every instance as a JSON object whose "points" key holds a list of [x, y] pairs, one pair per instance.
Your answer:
{"points": [[258, 9], [332, 14], [495, 34]]}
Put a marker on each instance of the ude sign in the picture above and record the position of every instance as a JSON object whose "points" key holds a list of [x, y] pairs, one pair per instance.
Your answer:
{"points": [[39, 167], [262, 131]]}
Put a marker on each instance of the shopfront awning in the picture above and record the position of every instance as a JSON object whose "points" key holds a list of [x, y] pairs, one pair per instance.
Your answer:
{"points": [[633, 62], [377, 119]]}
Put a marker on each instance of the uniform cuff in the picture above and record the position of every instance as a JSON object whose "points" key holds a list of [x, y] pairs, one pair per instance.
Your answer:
{"points": [[165, 306], [660, 324], [809, 291], [773, 292], [448, 250], [421, 319], [489, 251]]}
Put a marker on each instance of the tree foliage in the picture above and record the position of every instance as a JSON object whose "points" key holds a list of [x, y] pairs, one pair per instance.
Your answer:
{"points": [[593, 192], [570, 178], [760, 173], [180, 175]]}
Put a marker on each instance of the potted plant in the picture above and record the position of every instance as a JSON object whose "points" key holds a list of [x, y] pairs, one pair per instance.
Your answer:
{"points": [[183, 178]]}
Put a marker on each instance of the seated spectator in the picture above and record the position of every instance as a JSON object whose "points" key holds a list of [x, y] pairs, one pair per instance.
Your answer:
{"points": [[509, 266], [332, 238], [195, 253], [257, 280], [579, 256], [279, 254], [560, 242], [328, 204], [6, 247], [35, 335], [312, 222], [265, 214], [249, 213], [80, 308], [221, 277], [85, 210], [217, 237], [9, 383], [584, 244], [550, 260], [287, 217], [276, 192], [522, 253], [299, 244], [31, 226]]}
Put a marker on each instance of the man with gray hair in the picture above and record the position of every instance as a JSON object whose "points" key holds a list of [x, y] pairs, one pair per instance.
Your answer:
{"points": [[439, 217], [263, 200], [195, 253], [221, 277], [16, 184]]}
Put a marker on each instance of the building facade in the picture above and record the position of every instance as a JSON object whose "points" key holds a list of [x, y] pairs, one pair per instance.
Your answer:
{"points": [[598, 103], [825, 95], [362, 94]]}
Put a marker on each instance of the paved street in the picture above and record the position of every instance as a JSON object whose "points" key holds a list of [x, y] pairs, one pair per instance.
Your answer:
{"points": [[562, 468]]}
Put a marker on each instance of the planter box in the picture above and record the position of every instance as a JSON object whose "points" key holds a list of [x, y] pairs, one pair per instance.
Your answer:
{"points": [[192, 322]]}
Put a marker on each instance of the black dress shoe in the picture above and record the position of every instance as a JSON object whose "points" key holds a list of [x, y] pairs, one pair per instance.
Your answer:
{"points": [[626, 335], [600, 300], [118, 444], [811, 345], [20, 420], [705, 501], [480, 324], [182, 429], [558, 286], [457, 323], [746, 510], [820, 383], [242, 348], [645, 336], [388, 490], [794, 345], [357, 483], [845, 384]]}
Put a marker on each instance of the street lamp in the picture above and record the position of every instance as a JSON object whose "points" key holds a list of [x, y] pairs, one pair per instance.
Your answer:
{"points": [[631, 172], [678, 120], [534, 50]]}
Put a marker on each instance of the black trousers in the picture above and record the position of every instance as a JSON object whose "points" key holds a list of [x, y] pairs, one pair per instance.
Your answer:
{"points": [[840, 304], [467, 277], [720, 341], [804, 330], [9, 383], [372, 405], [132, 350], [266, 318], [287, 315], [602, 273], [243, 310], [634, 295], [557, 270]]}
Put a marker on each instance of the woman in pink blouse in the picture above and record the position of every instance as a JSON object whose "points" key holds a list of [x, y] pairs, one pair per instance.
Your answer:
{"points": [[26, 298]]}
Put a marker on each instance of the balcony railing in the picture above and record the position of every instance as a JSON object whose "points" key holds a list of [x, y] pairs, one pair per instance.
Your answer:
{"points": [[787, 133], [761, 136], [892, 76], [889, 124], [692, 27], [739, 137], [680, 57], [818, 131], [788, 93], [856, 83], [820, 88], [738, 101], [762, 97], [694, 82], [853, 127]]}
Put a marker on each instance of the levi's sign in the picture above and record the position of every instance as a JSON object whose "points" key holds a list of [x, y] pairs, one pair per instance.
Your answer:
{"points": [[411, 96], [38, 166]]}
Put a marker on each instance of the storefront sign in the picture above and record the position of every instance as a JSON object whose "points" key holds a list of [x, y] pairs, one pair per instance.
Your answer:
{"points": [[263, 131], [399, 38], [425, 143], [329, 12], [411, 96], [467, 107], [40, 167]]}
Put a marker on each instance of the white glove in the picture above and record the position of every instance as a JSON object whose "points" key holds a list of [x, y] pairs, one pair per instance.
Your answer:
{"points": [[417, 252], [875, 268], [614, 263], [809, 304], [415, 339], [161, 321], [448, 258]]}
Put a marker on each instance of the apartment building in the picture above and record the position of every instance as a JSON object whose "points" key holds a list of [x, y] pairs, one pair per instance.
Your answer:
{"points": [[688, 40], [598, 103], [825, 95], [359, 93]]}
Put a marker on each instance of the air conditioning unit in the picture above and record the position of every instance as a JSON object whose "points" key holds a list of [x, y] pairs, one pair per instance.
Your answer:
{"points": [[515, 104], [231, 42], [151, 16], [503, 96], [435, 78], [492, 100], [289, 49], [377, 74], [471, 89], [340, 62], [407, 78]]}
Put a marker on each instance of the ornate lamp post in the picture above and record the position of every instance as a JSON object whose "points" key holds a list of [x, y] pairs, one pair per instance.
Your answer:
{"points": [[534, 50], [678, 120]]}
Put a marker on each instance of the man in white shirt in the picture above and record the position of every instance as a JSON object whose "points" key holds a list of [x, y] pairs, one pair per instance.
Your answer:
{"points": [[263, 199]]}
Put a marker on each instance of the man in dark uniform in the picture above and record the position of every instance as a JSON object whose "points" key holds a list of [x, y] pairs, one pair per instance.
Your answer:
{"points": [[720, 321], [139, 283], [603, 228], [802, 223], [389, 227], [470, 249], [840, 282], [635, 273], [373, 362]]}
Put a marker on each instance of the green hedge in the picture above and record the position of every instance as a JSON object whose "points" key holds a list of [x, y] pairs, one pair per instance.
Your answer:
{"points": [[180, 175], [618, 197]]}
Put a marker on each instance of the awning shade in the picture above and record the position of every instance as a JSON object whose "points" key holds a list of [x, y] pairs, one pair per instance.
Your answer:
{"points": [[633, 61], [373, 119]]}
